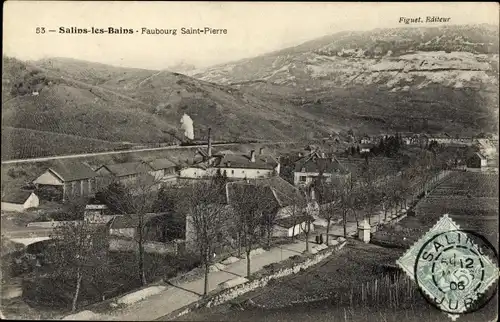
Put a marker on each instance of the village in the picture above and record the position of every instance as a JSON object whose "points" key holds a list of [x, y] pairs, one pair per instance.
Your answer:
{"points": [[221, 208]]}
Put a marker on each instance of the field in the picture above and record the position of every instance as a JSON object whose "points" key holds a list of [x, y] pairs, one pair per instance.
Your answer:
{"points": [[471, 200], [346, 288], [20, 143]]}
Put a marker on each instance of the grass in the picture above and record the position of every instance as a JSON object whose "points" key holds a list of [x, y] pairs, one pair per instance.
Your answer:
{"points": [[18, 143]]}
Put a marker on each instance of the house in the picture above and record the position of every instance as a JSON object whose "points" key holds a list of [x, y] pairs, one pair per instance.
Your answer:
{"points": [[283, 201], [19, 200], [67, 179], [125, 226], [163, 169], [310, 167], [477, 160], [126, 173], [279, 200], [234, 166]]}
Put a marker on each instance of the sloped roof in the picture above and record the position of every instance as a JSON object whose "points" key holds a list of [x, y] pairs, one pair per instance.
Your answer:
{"points": [[274, 190], [482, 157], [288, 222], [316, 165], [72, 171], [244, 161], [159, 164], [286, 193], [130, 221], [16, 196], [129, 168], [246, 193]]}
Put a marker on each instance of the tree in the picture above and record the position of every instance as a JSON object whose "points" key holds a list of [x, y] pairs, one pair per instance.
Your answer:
{"points": [[249, 203], [311, 209], [134, 200], [79, 251], [369, 186], [327, 195], [207, 214]]}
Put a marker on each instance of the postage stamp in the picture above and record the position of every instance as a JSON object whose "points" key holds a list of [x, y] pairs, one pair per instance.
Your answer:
{"points": [[453, 268]]}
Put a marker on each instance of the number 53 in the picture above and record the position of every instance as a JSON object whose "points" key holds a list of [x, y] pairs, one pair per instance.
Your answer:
{"points": [[40, 30]]}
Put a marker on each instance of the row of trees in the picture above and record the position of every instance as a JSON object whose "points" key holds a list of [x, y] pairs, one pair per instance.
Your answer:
{"points": [[370, 188]]}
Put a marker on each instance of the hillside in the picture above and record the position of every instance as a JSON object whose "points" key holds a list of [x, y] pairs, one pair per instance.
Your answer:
{"points": [[122, 105], [434, 79], [440, 79], [457, 56]]}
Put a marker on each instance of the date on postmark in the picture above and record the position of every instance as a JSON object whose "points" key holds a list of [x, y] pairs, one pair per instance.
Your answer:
{"points": [[453, 268]]}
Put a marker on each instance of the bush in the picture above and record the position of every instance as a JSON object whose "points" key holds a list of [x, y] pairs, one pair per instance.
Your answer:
{"points": [[49, 193]]}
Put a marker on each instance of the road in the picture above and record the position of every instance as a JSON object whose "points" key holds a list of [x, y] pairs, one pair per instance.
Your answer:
{"points": [[83, 155]]}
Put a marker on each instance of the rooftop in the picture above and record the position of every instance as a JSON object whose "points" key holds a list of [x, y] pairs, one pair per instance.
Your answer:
{"points": [[288, 222], [244, 161], [317, 165], [15, 196], [126, 169], [160, 164], [72, 171], [274, 190]]}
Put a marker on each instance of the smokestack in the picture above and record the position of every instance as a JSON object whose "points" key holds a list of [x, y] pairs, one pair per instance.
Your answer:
{"points": [[252, 156], [209, 152]]}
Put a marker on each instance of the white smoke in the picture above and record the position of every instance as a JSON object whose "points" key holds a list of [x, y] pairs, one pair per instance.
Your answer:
{"points": [[187, 126]]}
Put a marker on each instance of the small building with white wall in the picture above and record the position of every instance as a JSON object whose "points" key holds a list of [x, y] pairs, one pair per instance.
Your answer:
{"points": [[19, 200], [234, 166]]}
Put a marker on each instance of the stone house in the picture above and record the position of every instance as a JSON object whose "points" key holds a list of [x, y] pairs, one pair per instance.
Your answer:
{"points": [[234, 166], [307, 169]]}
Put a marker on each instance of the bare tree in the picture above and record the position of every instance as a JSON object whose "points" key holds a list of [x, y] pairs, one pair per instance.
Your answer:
{"points": [[311, 210], [369, 186], [349, 200], [79, 252], [249, 203], [134, 200], [327, 195], [208, 214]]}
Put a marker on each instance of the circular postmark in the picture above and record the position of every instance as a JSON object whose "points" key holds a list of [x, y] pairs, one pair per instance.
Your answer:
{"points": [[455, 269]]}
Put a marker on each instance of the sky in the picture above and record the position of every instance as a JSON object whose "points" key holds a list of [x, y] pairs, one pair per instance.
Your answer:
{"points": [[253, 28]]}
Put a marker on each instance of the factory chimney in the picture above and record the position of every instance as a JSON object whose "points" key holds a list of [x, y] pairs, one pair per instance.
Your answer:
{"points": [[209, 152]]}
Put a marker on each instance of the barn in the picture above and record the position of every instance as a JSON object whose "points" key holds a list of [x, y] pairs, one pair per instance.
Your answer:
{"points": [[163, 169], [19, 200], [68, 179]]}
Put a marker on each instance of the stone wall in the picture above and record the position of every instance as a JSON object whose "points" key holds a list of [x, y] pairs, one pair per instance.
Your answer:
{"points": [[149, 247], [241, 289]]}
